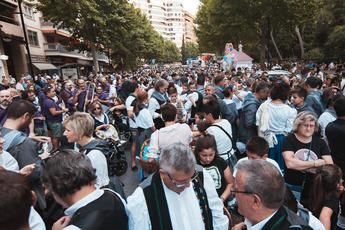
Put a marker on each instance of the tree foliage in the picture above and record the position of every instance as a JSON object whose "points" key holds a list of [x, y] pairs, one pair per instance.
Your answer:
{"points": [[112, 25], [296, 26], [192, 50]]}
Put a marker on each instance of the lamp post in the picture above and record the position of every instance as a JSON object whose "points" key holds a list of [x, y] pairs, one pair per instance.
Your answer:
{"points": [[31, 71]]}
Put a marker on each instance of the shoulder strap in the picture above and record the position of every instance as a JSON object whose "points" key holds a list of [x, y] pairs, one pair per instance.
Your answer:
{"points": [[11, 138], [223, 131]]}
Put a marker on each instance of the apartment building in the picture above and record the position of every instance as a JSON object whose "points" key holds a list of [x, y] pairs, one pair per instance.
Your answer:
{"points": [[13, 60], [168, 18], [189, 26], [49, 47]]}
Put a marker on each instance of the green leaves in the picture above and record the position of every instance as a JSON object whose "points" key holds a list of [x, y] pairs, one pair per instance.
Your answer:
{"points": [[113, 25]]}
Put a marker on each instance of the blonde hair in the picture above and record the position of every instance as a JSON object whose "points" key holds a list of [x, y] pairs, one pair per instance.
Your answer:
{"points": [[303, 117], [80, 123]]}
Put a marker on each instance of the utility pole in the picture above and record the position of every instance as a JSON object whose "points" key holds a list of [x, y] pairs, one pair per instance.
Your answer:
{"points": [[31, 71]]}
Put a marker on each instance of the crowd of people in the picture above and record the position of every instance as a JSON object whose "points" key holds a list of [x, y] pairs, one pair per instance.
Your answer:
{"points": [[213, 145]]}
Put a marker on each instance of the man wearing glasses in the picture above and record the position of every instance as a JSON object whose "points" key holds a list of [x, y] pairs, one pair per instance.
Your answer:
{"points": [[260, 190], [180, 196]]}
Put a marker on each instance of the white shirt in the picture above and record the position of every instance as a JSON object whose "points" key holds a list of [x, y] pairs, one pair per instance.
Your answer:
{"points": [[281, 117], [171, 134], [187, 99], [223, 142], [35, 221], [153, 106], [184, 208], [259, 225], [8, 162], [99, 162], [129, 107], [324, 119], [246, 158], [19, 87], [237, 101], [144, 119]]}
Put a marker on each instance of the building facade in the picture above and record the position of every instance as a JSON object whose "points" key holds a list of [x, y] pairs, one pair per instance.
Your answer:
{"points": [[169, 19], [49, 47], [13, 60]]}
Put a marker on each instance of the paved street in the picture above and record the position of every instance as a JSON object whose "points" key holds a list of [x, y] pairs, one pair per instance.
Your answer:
{"points": [[130, 178]]}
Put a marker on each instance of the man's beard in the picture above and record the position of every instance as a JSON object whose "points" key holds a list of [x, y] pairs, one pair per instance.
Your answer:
{"points": [[5, 103]]}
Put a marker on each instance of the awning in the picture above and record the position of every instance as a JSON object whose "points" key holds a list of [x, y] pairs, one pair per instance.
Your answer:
{"points": [[44, 66]]}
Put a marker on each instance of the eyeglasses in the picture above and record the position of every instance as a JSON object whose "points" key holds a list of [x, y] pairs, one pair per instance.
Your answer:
{"points": [[97, 108], [234, 191], [182, 185]]}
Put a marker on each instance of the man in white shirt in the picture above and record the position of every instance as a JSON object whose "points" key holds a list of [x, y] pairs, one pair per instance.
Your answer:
{"points": [[260, 190], [130, 104], [180, 196]]}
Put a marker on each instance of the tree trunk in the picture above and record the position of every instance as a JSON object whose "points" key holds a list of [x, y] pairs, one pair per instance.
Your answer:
{"points": [[275, 45], [300, 40], [94, 57]]}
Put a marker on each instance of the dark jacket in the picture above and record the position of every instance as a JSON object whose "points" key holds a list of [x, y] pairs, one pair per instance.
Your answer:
{"points": [[304, 107], [224, 111], [285, 219], [106, 212], [247, 126], [314, 100]]}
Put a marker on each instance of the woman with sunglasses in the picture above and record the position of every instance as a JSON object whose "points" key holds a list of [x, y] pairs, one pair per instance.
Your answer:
{"points": [[101, 119], [303, 152]]}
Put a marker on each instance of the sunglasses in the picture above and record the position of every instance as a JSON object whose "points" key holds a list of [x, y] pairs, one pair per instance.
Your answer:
{"points": [[97, 108]]}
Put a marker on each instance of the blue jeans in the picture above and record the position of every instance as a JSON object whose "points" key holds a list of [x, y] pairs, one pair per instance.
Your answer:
{"points": [[296, 190], [276, 154]]}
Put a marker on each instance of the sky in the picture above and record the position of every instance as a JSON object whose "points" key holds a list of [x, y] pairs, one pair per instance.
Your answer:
{"points": [[191, 6]]}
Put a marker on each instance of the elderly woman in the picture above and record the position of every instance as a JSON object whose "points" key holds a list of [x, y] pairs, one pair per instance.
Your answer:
{"points": [[79, 129], [158, 98], [302, 151], [274, 119]]}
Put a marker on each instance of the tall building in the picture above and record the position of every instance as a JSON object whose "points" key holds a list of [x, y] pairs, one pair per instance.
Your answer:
{"points": [[168, 18], [48, 46], [13, 60], [189, 25]]}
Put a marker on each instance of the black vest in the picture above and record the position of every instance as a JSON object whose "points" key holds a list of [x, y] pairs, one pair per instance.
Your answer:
{"points": [[104, 213], [158, 207]]}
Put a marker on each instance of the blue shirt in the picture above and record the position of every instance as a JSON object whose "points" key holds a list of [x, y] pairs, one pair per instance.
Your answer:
{"points": [[48, 104]]}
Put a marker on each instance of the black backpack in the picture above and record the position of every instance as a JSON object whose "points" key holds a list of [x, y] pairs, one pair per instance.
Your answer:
{"points": [[117, 164]]}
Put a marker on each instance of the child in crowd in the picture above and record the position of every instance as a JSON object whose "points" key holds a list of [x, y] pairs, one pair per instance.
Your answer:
{"points": [[298, 96], [207, 156], [257, 148]]}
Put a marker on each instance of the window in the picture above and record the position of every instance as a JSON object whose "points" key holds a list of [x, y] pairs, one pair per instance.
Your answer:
{"points": [[33, 38], [28, 11]]}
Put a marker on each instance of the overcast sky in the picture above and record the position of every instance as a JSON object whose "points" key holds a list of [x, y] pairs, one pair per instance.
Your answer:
{"points": [[191, 5]]}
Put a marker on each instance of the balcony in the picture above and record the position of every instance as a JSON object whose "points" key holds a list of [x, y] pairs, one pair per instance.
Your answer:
{"points": [[57, 49], [10, 2], [47, 27], [11, 29]]}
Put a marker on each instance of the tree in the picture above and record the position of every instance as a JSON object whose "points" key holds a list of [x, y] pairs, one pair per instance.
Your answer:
{"points": [[257, 23], [183, 51], [192, 50], [170, 52], [92, 22]]}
